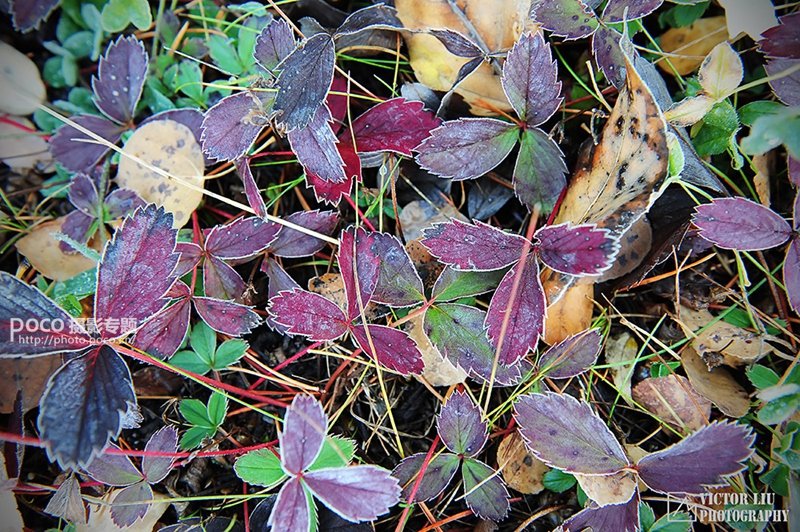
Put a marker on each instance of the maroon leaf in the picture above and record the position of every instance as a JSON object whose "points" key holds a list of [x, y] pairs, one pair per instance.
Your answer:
{"points": [[440, 471], [28, 15], [467, 148], [333, 193], [457, 44], [393, 348], [782, 40], [227, 317], [251, 191], [791, 274], [360, 268], [539, 172], [566, 434], [83, 194], [378, 16], [306, 75], [162, 335], [787, 82], [113, 469], [396, 125], [609, 55], [461, 426], [220, 280], [315, 147], [279, 281], [738, 223], [527, 312], [242, 238], [622, 10], [703, 459], [576, 250], [356, 493], [573, 355], [232, 125], [308, 314], [337, 101], [124, 510], [486, 495], [291, 510], [530, 79], [304, 428], [156, 468], [571, 19], [292, 243], [477, 246], [273, 45], [83, 406], [399, 284], [77, 152], [135, 272], [190, 255], [120, 78], [617, 517]]}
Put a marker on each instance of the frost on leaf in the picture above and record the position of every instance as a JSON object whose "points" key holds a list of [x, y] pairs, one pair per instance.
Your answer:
{"points": [[791, 273], [360, 266], [440, 471], [241, 239], [292, 243], [622, 10], [273, 45], [486, 494], [304, 428], [392, 348], [120, 78], [315, 147], [742, 224], [378, 16], [617, 517], [356, 493], [477, 246], [29, 14], [293, 508], [530, 79], [399, 284], [396, 125], [460, 425], [308, 314], [576, 250], [571, 19], [77, 151], [572, 356], [231, 126], [539, 172], [251, 191]]}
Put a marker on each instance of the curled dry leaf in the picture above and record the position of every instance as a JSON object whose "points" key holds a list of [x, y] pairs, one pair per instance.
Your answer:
{"points": [[438, 371], [331, 286], [21, 86], [689, 45], [173, 148], [634, 246], [608, 489], [673, 400], [521, 470], [23, 149], [715, 384], [43, 251], [100, 514]]}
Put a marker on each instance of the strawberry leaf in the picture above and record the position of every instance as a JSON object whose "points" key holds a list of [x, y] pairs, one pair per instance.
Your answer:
{"points": [[291, 243], [232, 125], [251, 191], [77, 152], [457, 44], [399, 284], [576, 250], [571, 19], [617, 517], [627, 10], [608, 55], [360, 267], [29, 14], [260, 468], [440, 471], [460, 425], [241, 239], [330, 192], [539, 170], [121, 73], [572, 356], [304, 428], [83, 194], [486, 495], [356, 493], [293, 508], [156, 468], [315, 147], [393, 348], [273, 45], [530, 79], [227, 317], [791, 274], [308, 314], [220, 280], [124, 510], [113, 469], [162, 335], [477, 246], [378, 16], [741, 224], [396, 125], [454, 284]]}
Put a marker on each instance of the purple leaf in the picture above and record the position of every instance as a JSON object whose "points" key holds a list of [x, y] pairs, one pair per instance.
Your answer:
{"points": [[122, 202], [28, 15], [113, 469], [530, 79], [232, 125], [786, 85], [477, 246], [279, 281], [227, 317], [241, 239], [292, 510], [190, 255], [315, 147], [627, 10], [399, 284], [440, 471], [457, 44], [77, 226], [467, 148], [609, 55], [357, 493], [220, 280], [135, 272], [83, 406], [77, 152], [572, 356], [292, 243], [304, 428], [360, 268], [539, 172], [393, 348], [156, 468], [338, 101], [162, 335], [308, 314], [124, 512], [576, 250], [741, 224], [527, 312], [83, 194], [461, 426], [488, 499], [704, 458], [120, 78], [329, 192], [791, 274], [251, 191], [396, 125], [306, 75], [22, 304], [782, 40], [273, 45], [571, 19], [566, 434], [378, 16], [617, 517]]}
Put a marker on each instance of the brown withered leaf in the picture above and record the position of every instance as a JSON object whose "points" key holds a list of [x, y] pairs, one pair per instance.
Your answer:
{"points": [[42, 250], [715, 384], [674, 401], [690, 45], [439, 371], [521, 470], [29, 375]]}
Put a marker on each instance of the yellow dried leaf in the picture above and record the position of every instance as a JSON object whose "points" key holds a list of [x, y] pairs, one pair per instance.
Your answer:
{"points": [[23, 150], [688, 46], [438, 371], [521, 470], [715, 384], [21, 86], [100, 515], [673, 399], [762, 164], [621, 354], [689, 111], [43, 252], [608, 489], [721, 71], [570, 314]]}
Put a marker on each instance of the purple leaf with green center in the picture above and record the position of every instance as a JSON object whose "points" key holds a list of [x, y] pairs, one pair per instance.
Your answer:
{"points": [[741, 224], [120, 78], [28, 15], [627, 10], [457, 44], [329, 192], [315, 147], [308, 314], [576, 250], [241, 239], [703, 459], [251, 191], [440, 471], [220, 280], [566, 434], [782, 40], [454, 284], [291, 243], [618, 517], [83, 406], [273, 45], [571, 19], [530, 79], [156, 468], [526, 313], [356, 493], [539, 172], [19, 304], [396, 125], [304, 428], [113, 469], [460, 425], [163, 334], [306, 75], [135, 272], [77, 152], [486, 494], [572, 356], [477, 247], [226, 317], [124, 510], [378, 16], [393, 348], [608, 55], [292, 510], [399, 284], [232, 125], [358, 258], [791, 273], [467, 148]]}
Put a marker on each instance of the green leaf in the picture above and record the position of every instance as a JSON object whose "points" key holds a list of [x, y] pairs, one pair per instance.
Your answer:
{"points": [[662, 370], [558, 481], [715, 130], [646, 516], [80, 286], [189, 80], [194, 437], [217, 408], [190, 361], [782, 402], [771, 130], [336, 452], [454, 284], [224, 55], [229, 352], [260, 468], [749, 113], [204, 341], [80, 44], [53, 73], [673, 522], [117, 14], [762, 377], [246, 40], [682, 15], [195, 412]]}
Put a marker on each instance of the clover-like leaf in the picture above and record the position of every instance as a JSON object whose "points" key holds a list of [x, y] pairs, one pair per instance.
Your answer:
{"points": [[440, 471], [294, 508], [396, 125], [356, 493], [360, 266], [477, 246], [530, 79], [485, 493], [576, 250], [220, 280], [460, 425], [273, 44], [113, 469], [242, 238], [121, 73], [392, 348], [76, 151], [315, 147], [260, 468], [308, 314], [232, 125], [305, 425], [621, 517], [539, 172], [572, 356], [454, 284], [742, 224], [163, 334]]}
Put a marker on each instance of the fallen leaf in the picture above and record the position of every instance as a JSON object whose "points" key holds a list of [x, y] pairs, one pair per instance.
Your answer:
{"points": [[688, 46], [173, 148], [21, 149], [570, 314], [608, 489], [761, 181], [420, 214], [21, 86], [438, 371], [715, 384], [673, 400], [12, 519], [100, 515], [634, 245], [621, 354], [28, 375], [521, 470], [331, 286], [426, 264], [752, 17], [42, 250]]}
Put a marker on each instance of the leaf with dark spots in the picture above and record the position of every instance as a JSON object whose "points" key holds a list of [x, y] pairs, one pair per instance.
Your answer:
{"points": [[190, 256], [162, 335], [120, 78], [741, 224], [227, 317], [530, 79], [293, 508], [440, 471], [791, 273], [20, 303], [136, 271], [304, 428], [308, 314], [83, 406], [477, 246], [486, 494], [461, 426], [617, 517], [232, 125], [457, 44], [28, 15], [399, 284], [189, 117], [306, 75], [273, 45], [77, 152], [332, 193], [315, 147], [220, 280], [526, 313], [572, 356], [251, 192], [571, 19], [566, 434], [455, 284], [467, 148], [539, 173], [703, 459], [242, 238], [627, 10], [576, 250], [392, 348], [292, 243], [125, 511], [360, 268], [396, 125], [609, 55]]}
